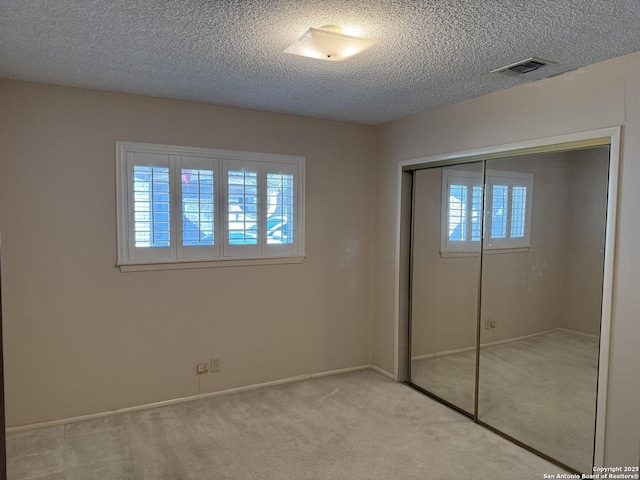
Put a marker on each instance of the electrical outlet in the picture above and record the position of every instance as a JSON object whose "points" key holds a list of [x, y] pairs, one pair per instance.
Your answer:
{"points": [[216, 364], [201, 368], [492, 324]]}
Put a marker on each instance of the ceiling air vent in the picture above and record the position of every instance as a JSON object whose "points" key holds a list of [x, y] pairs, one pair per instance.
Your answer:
{"points": [[523, 67]]}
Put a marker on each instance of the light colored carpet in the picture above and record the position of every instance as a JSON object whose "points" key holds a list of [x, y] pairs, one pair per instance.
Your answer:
{"points": [[353, 426], [540, 390]]}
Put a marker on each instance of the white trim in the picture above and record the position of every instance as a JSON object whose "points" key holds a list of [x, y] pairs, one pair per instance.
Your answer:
{"points": [[613, 133], [396, 279], [576, 332], [181, 150], [497, 342], [218, 263], [383, 372], [340, 371], [607, 296], [176, 401]]}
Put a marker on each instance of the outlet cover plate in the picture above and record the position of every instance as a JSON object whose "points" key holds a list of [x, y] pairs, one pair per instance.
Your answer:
{"points": [[201, 368], [216, 364]]}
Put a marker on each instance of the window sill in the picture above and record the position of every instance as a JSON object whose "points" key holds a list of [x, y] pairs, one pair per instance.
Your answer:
{"points": [[218, 263], [486, 251]]}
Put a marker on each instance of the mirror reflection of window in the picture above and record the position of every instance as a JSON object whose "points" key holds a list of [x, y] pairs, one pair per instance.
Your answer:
{"points": [[508, 201]]}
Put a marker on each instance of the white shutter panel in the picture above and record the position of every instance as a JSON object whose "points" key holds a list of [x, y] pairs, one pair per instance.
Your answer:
{"points": [[198, 230], [150, 213], [281, 216], [508, 217], [461, 211], [241, 219]]}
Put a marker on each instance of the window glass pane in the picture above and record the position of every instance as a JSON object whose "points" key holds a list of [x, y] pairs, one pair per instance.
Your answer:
{"points": [[476, 213], [197, 207], [279, 215], [243, 204], [457, 213], [151, 213], [518, 211], [499, 211]]}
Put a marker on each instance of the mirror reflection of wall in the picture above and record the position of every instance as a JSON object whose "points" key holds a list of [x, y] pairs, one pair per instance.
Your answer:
{"points": [[541, 296], [444, 306]]}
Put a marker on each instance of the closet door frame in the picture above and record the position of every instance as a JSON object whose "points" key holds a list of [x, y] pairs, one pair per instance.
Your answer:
{"points": [[3, 444], [607, 136]]}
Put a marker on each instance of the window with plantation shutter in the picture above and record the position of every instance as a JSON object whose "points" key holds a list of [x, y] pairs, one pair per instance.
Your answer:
{"points": [[508, 218], [242, 195], [507, 210], [151, 222], [462, 215], [183, 204], [280, 209], [196, 189]]}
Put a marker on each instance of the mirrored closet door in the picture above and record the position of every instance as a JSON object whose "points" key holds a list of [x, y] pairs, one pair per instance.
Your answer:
{"points": [[507, 262], [445, 282]]}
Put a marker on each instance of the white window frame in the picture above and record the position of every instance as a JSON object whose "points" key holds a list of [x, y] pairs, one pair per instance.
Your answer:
{"points": [[473, 179], [221, 253]]}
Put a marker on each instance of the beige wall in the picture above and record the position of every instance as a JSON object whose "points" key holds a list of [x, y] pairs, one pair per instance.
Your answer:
{"points": [[584, 252], [444, 290], [598, 96], [524, 292], [82, 337]]}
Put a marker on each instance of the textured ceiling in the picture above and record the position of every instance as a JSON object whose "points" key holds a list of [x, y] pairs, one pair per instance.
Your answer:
{"points": [[230, 52]]}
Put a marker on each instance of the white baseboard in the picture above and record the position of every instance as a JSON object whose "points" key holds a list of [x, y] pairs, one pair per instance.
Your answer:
{"points": [[382, 372], [175, 401], [491, 344], [516, 339], [442, 354], [328, 373], [575, 332]]}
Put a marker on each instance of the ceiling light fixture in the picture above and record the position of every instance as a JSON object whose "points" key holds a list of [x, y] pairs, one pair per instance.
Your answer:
{"points": [[329, 43]]}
